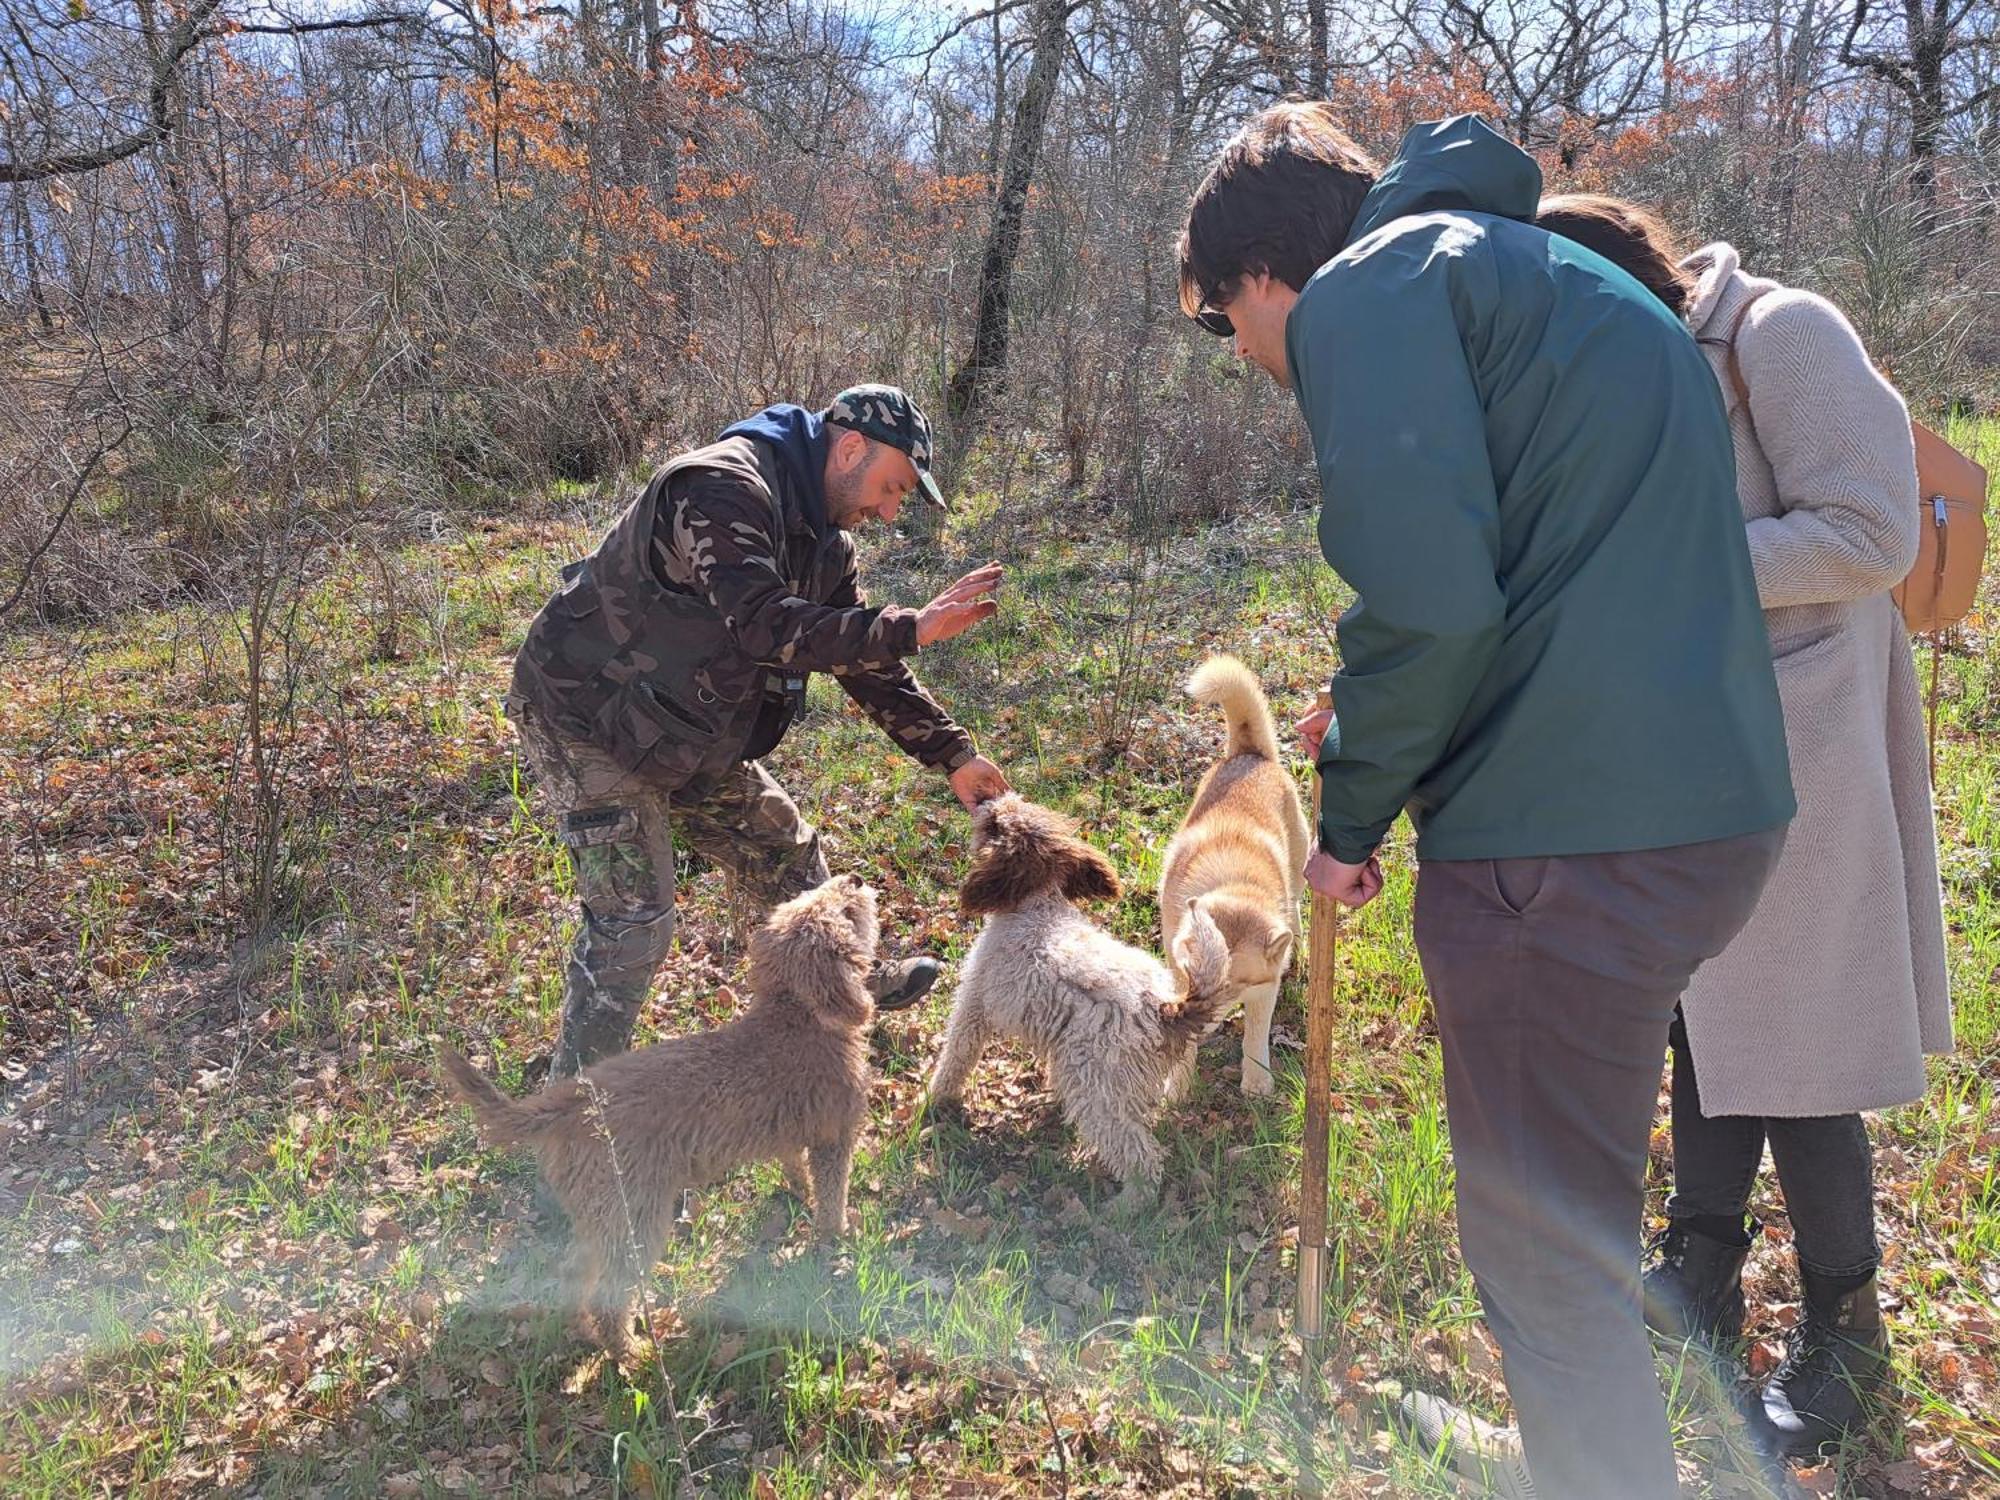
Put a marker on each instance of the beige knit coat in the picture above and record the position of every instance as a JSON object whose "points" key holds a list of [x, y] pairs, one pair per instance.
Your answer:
{"points": [[1828, 1001]]}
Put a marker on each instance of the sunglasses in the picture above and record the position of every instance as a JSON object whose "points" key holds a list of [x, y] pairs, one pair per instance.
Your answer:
{"points": [[1212, 318], [1215, 322]]}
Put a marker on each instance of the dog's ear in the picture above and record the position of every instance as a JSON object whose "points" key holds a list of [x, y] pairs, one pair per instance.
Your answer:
{"points": [[1025, 849], [1088, 875], [1278, 951], [1016, 858], [860, 908], [1005, 872]]}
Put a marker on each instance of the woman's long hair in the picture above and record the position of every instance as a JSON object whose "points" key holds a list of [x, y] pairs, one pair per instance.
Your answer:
{"points": [[1630, 237]]}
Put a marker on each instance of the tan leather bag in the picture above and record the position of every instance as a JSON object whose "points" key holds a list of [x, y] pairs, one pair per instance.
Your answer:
{"points": [[1942, 585], [1951, 489]]}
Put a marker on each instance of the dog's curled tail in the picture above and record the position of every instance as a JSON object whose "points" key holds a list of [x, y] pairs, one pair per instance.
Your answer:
{"points": [[1203, 957], [502, 1121], [1229, 685]]}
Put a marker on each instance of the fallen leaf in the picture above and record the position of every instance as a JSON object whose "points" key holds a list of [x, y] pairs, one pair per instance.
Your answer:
{"points": [[1907, 1476]]}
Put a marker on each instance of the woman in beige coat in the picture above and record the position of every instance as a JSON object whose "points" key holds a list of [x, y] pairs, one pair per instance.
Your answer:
{"points": [[1827, 1002]]}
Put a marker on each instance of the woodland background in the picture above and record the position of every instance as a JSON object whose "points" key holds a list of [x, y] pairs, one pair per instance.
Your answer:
{"points": [[273, 266], [328, 332]]}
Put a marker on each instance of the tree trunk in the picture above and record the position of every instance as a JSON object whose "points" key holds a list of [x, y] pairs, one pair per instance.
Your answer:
{"points": [[1795, 62], [31, 260], [997, 134], [186, 270], [649, 15], [1316, 62], [985, 366], [1930, 36]]}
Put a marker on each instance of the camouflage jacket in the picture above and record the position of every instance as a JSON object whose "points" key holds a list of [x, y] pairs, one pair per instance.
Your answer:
{"points": [[683, 643]]}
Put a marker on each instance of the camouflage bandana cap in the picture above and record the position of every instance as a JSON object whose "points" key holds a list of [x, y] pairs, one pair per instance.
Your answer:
{"points": [[887, 415]]}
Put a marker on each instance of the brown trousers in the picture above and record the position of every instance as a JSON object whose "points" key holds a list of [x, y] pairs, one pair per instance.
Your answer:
{"points": [[1554, 982], [619, 828]]}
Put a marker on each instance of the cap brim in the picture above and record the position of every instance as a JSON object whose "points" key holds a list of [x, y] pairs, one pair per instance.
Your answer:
{"points": [[929, 486]]}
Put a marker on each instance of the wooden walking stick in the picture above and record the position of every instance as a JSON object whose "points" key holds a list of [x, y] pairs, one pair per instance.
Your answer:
{"points": [[1321, 947]]}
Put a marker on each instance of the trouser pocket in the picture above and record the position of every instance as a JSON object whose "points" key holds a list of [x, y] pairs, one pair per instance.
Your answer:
{"points": [[617, 873], [1518, 883]]}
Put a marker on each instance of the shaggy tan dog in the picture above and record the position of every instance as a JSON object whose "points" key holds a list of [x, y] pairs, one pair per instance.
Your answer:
{"points": [[1241, 856], [787, 1080], [1105, 1019]]}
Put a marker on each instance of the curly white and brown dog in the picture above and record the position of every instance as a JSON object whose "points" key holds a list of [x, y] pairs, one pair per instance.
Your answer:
{"points": [[1114, 1033]]}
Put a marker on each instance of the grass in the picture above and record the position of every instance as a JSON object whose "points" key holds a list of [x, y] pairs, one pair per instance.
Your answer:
{"points": [[247, 1246]]}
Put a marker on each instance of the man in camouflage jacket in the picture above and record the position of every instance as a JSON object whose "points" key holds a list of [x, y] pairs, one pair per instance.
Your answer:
{"points": [[675, 656]]}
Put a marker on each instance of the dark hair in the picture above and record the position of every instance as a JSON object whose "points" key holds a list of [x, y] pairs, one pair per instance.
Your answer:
{"points": [[1279, 200], [1632, 238]]}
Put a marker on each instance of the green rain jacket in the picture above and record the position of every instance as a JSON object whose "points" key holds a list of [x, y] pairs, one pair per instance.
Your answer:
{"points": [[1527, 479]]}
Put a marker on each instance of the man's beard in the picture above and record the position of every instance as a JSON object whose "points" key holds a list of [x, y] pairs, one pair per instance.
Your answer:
{"points": [[842, 491]]}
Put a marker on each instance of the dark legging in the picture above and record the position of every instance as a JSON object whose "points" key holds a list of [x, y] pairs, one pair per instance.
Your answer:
{"points": [[1824, 1166]]}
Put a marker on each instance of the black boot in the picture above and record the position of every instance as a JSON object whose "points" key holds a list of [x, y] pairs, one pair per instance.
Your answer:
{"points": [[1835, 1364], [1693, 1285], [897, 984]]}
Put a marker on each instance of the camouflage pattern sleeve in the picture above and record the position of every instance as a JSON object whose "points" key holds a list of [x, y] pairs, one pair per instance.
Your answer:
{"points": [[894, 698], [714, 536]]}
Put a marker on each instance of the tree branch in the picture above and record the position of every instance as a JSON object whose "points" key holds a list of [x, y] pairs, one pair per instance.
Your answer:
{"points": [[351, 23], [62, 517], [186, 35], [1872, 62], [959, 28]]}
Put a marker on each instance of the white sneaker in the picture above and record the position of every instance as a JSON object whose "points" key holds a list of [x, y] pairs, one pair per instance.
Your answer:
{"points": [[1489, 1456]]}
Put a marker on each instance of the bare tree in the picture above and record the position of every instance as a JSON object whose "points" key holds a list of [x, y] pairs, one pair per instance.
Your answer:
{"points": [[1921, 65], [163, 52], [1561, 71], [986, 364]]}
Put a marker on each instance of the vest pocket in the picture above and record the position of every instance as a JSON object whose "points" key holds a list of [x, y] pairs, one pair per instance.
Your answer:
{"points": [[782, 699], [676, 718], [644, 726]]}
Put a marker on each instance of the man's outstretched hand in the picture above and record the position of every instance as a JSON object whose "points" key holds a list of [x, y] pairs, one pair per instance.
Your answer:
{"points": [[1350, 885], [1312, 729], [977, 781], [961, 606]]}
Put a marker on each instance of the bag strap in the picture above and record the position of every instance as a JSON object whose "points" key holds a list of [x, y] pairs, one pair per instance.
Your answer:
{"points": [[1931, 704], [1736, 381], [1936, 638]]}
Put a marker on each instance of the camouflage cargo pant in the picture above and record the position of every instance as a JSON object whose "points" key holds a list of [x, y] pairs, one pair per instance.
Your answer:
{"points": [[618, 827]]}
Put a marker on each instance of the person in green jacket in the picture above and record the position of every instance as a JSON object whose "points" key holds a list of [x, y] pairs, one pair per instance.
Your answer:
{"points": [[1555, 663]]}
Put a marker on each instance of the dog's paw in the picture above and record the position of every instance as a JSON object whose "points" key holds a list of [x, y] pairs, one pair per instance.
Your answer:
{"points": [[1134, 1199], [946, 1112], [830, 1245], [1258, 1082], [625, 1337], [631, 1351]]}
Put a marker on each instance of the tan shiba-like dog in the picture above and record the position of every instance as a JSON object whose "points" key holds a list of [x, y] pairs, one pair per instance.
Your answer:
{"points": [[1241, 856]]}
